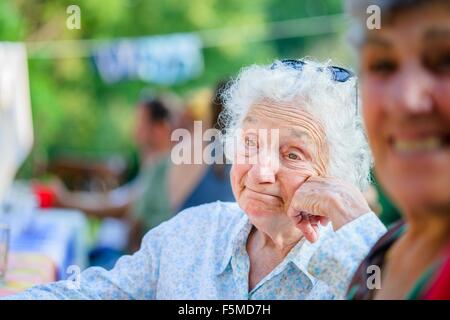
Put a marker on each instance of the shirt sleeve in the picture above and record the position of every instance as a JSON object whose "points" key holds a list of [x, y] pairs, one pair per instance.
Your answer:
{"points": [[340, 253], [133, 277]]}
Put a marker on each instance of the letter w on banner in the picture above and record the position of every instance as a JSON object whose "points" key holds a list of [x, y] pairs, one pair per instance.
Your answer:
{"points": [[158, 59]]}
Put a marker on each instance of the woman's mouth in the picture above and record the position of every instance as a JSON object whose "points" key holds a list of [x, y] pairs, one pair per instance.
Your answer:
{"points": [[263, 193], [422, 144]]}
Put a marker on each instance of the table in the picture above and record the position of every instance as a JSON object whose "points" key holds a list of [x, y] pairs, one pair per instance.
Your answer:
{"points": [[26, 270], [59, 234], [43, 248]]}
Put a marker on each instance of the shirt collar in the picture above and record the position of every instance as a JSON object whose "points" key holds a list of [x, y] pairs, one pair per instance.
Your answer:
{"points": [[300, 255]]}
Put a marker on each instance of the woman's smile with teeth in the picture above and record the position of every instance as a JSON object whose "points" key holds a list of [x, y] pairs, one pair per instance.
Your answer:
{"points": [[425, 144]]}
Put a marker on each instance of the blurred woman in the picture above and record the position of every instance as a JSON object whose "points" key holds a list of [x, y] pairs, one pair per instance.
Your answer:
{"points": [[194, 184], [405, 74]]}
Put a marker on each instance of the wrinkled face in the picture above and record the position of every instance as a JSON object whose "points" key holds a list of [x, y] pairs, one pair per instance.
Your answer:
{"points": [[405, 72], [280, 147]]}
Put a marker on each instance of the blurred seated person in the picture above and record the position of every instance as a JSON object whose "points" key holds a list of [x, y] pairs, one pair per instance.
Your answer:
{"points": [[194, 184], [214, 182], [155, 119], [153, 126], [163, 188], [187, 184]]}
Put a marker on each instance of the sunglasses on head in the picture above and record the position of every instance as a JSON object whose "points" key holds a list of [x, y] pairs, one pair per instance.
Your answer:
{"points": [[338, 74]]}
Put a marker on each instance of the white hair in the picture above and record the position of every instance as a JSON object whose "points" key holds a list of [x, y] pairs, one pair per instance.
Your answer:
{"points": [[333, 104]]}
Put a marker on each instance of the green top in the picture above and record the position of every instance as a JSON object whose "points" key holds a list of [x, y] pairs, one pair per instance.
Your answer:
{"points": [[423, 284], [152, 205], [389, 213]]}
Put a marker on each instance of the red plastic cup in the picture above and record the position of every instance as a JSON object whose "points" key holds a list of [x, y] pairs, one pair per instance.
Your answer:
{"points": [[45, 195]]}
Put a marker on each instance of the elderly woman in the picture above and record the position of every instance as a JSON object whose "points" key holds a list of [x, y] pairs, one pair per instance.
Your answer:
{"points": [[405, 71], [300, 225]]}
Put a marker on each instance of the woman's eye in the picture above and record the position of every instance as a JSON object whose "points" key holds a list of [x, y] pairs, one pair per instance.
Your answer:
{"points": [[440, 64], [249, 142], [383, 67], [293, 156]]}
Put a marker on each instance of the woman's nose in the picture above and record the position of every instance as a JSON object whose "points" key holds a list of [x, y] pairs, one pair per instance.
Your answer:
{"points": [[413, 93], [265, 170]]}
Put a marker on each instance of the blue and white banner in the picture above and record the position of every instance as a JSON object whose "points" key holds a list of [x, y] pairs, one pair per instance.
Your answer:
{"points": [[163, 60]]}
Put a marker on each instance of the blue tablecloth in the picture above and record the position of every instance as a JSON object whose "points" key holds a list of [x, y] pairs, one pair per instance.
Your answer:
{"points": [[58, 233]]}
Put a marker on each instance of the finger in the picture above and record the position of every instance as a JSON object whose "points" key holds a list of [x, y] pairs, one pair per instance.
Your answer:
{"points": [[324, 221], [315, 220], [308, 231], [317, 233], [320, 179]]}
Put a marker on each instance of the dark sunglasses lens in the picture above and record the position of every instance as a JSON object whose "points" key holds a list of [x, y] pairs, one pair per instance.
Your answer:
{"points": [[340, 74], [295, 64]]}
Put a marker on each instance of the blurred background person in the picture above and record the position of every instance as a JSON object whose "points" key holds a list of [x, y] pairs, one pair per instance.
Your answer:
{"points": [[194, 184], [162, 187], [154, 122], [189, 184]]}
